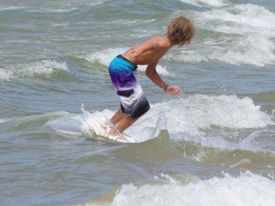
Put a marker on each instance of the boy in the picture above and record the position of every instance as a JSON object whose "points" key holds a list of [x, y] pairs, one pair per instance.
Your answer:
{"points": [[133, 102]]}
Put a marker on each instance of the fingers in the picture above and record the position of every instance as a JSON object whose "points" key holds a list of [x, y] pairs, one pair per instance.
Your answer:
{"points": [[177, 92], [174, 90]]}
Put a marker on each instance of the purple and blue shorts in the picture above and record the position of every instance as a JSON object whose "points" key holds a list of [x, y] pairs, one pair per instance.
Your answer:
{"points": [[132, 99]]}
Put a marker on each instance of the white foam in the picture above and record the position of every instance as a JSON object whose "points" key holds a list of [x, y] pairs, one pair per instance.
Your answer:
{"points": [[200, 3], [93, 120], [185, 119], [4, 120], [6, 75], [97, 2], [67, 124], [60, 7], [59, 10], [201, 112], [247, 36], [188, 118], [247, 189], [105, 57], [129, 22], [11, 8], [244, 18], [44, 67]]}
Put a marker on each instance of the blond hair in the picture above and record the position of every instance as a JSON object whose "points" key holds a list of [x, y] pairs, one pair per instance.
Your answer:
{"points": [[180, 30]]}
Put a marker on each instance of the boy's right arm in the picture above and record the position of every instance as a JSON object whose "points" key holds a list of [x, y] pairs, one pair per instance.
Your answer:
{"points": [[154, 76]]}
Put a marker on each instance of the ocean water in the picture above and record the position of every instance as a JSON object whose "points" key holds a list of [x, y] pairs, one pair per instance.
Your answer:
{"points": [[213, 145]]}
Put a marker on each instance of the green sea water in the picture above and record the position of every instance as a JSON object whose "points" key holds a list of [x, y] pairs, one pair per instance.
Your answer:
{"points": [[215, 144]]}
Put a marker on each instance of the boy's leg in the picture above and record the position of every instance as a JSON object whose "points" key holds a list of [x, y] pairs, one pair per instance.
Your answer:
{"points": [[118, 116], [124, 123], [121, 121]]}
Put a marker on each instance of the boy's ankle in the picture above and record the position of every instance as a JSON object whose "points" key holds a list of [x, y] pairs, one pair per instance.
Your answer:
{"points": [[114, 132]]}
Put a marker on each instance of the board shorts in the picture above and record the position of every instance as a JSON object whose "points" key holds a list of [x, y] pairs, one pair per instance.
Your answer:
{"points": [[132, 99]]}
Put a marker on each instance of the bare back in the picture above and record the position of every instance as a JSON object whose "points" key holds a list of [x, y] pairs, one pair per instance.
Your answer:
{"points": [[148, 52]]}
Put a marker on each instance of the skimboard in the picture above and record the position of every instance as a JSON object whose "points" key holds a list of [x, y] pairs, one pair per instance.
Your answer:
{"points": [[102, 136], [97, 131]]}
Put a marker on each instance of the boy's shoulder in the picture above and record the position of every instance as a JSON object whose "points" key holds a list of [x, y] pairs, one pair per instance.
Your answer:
{"points": [[159, 41], [156, 38], [152, 43]]}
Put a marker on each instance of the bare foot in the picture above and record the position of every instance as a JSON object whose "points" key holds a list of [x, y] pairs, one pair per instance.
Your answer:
{"points": [[114, 134]]}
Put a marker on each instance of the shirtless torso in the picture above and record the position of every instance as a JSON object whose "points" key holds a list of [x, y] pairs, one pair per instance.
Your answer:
{"points": [[149, 52]]}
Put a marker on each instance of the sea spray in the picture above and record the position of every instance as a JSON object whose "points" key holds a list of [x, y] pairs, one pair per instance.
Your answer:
{"points": [[247, 189]]}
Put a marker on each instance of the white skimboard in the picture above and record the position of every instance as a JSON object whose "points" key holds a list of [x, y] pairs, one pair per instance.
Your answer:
{"points": [[93, 127], [93, 133]]}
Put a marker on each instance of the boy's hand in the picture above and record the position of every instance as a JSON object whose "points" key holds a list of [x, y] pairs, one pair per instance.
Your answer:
{"points": [[173, 89]]}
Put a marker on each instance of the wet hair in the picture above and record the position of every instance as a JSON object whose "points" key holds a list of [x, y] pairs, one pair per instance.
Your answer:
{"points": [[180, 30]]}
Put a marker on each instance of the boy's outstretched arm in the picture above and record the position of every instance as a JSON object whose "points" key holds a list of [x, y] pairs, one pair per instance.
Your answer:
{"points": [[152, 73]]}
